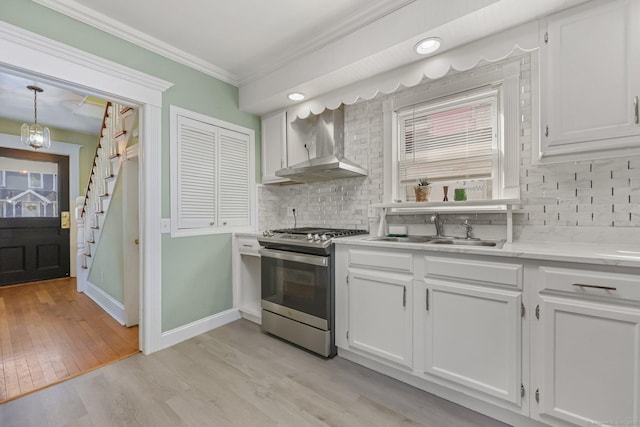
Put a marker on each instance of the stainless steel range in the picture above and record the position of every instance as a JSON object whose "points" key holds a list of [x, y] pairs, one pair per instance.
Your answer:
{"points": [[298, 285]]}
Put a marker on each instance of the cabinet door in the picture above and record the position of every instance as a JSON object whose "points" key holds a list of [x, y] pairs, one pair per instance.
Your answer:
{"points": [[380, 315], [472, 336], [274, 136], [589, 80], [590, 356]]}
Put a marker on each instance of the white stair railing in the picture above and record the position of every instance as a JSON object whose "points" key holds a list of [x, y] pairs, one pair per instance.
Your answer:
{"points": [[92, 209]]}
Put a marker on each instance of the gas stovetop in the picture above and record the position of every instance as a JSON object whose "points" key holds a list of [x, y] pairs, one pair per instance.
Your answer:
{"points": [[302, 238]]}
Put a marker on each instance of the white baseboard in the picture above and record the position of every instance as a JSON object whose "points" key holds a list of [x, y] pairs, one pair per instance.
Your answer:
{"points": [[190, 330], [109, 304]]}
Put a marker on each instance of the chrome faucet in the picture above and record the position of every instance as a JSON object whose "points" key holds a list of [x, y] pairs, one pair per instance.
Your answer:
{"points": [[468, 226], [437, 221]]}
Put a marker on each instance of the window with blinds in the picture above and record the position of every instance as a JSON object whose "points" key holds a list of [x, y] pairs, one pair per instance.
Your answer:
{"points": [[212, 175], [448, 141]]}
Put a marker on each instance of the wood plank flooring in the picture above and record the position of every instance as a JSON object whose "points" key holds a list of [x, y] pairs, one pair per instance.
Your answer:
{"points": [[49, 332], [235, 376]]}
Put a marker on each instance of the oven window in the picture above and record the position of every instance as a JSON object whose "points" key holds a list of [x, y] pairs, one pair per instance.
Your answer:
{"points": [[302, 287]]}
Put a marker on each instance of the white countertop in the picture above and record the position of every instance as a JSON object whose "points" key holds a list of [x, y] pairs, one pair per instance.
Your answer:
{"points": [[591, 253], [247, 234]]}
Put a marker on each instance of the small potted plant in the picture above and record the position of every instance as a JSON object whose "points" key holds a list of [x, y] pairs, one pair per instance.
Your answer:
{"points": [[422, 190]]}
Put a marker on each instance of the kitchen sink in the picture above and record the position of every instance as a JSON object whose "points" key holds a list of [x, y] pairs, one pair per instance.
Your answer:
{"points": [[468, 242], [408, 239], [455, 241]]}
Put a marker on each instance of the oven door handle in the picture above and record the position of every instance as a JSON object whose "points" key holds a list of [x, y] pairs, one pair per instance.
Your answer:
{"points": [[321, 261]]}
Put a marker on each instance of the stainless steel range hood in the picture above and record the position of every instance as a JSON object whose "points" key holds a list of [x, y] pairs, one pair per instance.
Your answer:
{"points": [[327, 129]]}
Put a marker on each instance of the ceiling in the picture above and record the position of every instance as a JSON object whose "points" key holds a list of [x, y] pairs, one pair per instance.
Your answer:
{"points": [[57, 107], [269, 48]]}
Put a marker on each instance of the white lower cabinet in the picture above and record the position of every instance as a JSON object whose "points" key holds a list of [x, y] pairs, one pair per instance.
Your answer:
{"points": [[473, 336], [470, 325], [373, 304], [588, 348], [246, 276], [529, 342], [380, 315]]}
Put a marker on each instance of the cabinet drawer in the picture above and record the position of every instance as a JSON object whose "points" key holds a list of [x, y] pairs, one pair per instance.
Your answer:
{"points": [[496, 273], [248, 245], [392, 261], [594, 283]]}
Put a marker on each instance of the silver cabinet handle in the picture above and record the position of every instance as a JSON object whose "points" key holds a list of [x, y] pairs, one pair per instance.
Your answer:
{"points": [[426, 299], [606, 288], [404, 296], [635, 110], [247, 246], [320, 261]]}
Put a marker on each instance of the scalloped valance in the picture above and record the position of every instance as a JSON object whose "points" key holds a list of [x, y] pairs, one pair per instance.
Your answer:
{"points": [[491, 49]]}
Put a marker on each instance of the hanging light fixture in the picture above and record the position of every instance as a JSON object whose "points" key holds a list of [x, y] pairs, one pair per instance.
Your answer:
{"points": [[35, 135]]}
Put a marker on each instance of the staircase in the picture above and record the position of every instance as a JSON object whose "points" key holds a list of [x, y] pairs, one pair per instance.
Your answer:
{"points": [[92, 209]]}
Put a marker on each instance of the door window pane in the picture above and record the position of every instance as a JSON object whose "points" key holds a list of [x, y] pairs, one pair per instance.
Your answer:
{"points": [[30, 189]]}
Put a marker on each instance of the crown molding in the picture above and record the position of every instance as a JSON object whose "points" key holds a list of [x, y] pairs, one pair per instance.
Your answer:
{"points": [[14, 40], [109, 25]]}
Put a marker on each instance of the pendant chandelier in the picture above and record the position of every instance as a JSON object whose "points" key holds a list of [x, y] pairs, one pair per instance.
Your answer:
{"points": [[35, 135]]}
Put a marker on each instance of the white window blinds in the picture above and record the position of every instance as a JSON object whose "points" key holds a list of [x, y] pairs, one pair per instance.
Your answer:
{"points": [[448, 141], [197, 152]]}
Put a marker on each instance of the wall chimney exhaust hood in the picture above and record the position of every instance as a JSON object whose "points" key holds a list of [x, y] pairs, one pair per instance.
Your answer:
{"points": [[328, 161]]}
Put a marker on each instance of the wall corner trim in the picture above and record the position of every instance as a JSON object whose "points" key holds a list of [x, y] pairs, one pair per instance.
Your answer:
{"points": [[190, 330]]}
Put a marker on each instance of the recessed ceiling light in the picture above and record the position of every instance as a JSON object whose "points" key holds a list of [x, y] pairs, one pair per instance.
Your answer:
{"points": [[427, 46], [296, 96]]}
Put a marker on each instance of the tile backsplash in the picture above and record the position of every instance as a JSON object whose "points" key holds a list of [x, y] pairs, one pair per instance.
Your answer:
{"points": [[559, 201]]}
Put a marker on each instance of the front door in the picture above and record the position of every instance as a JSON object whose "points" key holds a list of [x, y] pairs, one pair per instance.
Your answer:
{"points": [[34, 194]]}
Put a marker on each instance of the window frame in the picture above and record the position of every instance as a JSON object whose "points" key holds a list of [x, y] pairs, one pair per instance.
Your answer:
{"points": [[491, 95], [505, 79], [30, 184], [218, 227]]}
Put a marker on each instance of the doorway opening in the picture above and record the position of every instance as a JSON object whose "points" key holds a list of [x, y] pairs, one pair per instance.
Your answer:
{"points": [[26, 52], [48, 331]]}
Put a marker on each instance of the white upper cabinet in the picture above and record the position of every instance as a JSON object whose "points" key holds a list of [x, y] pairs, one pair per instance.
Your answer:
{"points": [[274, 146], [590, 83]]}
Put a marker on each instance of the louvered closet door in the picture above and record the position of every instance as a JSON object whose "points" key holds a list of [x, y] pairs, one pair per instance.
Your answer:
{"points": [[197, 155], [233, 173]]}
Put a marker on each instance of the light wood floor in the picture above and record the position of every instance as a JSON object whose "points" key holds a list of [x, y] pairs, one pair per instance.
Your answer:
{"points": [[235, 376], [49, 332]]}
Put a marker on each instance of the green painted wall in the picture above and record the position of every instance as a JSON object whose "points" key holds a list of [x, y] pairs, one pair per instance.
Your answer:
{"points": [[87, 141], [107, 268], [209, 265], [196, 279]]}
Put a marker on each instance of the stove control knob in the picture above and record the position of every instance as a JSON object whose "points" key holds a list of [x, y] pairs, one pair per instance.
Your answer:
{"points": [[309, 236], [324, 238], [316, 237]]}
